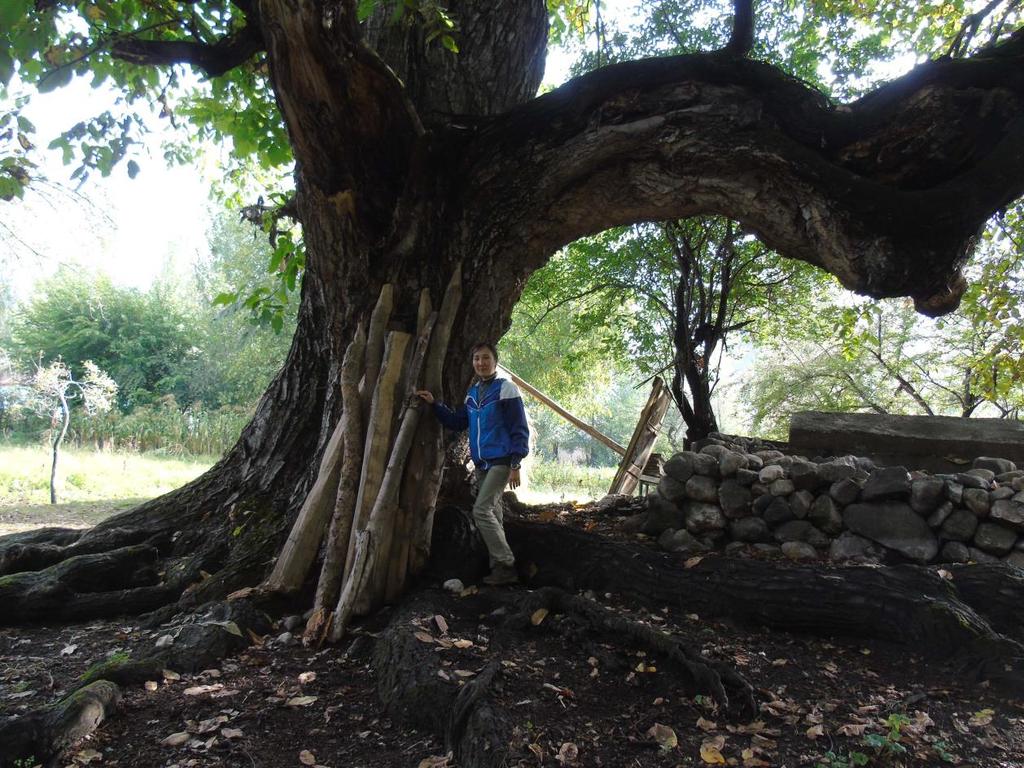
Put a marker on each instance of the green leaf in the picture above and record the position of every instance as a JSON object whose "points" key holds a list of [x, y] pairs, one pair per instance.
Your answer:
{"points": [[225, 299], [13, 11], [55, 79], [6, 68]]}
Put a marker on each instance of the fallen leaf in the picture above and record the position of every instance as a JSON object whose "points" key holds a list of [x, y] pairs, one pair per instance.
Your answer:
{"points": [[538, 616], [815, 732], [170, 675], [307, 758], [305, 678], [176, 739], [442, 625], [199, 690], [464, 673], [981, 718], [538, 751], [692, 562], [231, 733], [67, 650], [463, 643], [435, 761], [151, 685], [241, 594], [211, 724], [852, 729], [86, 756], [300, 701], [706, 725], [568, 753], [711, 754], [664, 736], [423, 637]]}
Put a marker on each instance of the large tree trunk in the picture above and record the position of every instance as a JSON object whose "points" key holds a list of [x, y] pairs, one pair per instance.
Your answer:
{"points": [[400, 179]]}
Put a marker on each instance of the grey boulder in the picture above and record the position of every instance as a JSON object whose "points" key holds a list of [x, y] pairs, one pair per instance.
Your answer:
{"points": [[894, 525]]}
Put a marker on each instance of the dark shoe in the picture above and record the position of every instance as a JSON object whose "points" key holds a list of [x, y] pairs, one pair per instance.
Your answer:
{"points": [[502, 574]]}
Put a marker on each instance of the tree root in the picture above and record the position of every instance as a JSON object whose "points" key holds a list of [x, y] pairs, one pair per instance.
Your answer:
{"points": [[40, 735], [58, 545], [200, 639], [910, 605], [699, 675], [475, 731], [123, 581]]}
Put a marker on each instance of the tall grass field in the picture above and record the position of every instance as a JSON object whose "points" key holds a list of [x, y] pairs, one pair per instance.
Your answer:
{"points": [[91, 485]]}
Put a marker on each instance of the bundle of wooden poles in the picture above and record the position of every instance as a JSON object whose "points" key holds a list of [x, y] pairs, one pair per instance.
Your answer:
{"points": [[372, 504]]}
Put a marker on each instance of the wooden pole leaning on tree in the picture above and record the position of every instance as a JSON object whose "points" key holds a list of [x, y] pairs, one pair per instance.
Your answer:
{"points": [[375, 338], [300, 549], [412, 478], [336, 548], [378, 480], [365, 586], [575, 420], [379, 432], [423, 475]]}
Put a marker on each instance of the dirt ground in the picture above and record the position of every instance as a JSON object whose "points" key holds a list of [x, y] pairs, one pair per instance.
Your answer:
{"points": [[584, 702]]}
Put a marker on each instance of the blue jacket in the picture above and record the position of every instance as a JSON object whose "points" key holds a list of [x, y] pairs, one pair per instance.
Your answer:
{"points": [[498, 433]]}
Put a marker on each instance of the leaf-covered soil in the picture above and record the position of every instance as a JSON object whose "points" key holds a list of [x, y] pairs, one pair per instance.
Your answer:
{"points": [[570, 698]]}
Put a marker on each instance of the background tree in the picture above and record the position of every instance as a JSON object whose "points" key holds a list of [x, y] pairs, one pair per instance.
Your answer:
{"points": [[52, 390], [139, 337], [670, 297]]}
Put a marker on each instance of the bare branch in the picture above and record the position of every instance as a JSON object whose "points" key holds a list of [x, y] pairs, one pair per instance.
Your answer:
{"points": [[962, 42]]}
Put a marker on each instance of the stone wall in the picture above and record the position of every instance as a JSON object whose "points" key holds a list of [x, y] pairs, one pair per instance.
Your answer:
{"points": [[731, 493]]}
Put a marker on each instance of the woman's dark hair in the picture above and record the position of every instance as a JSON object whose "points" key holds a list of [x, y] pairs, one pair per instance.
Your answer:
{"points": [[484, 345]]}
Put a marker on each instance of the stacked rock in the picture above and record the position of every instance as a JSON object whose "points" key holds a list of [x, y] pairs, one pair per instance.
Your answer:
{"points": [[731, 494]]}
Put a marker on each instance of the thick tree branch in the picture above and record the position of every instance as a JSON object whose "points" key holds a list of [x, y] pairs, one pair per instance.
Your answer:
{"points": [[742, 38], [213, 59], [888, 193]]}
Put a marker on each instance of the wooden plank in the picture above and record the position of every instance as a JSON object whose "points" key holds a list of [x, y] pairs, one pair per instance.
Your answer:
{"points": [[641, 444], [575, 420]]}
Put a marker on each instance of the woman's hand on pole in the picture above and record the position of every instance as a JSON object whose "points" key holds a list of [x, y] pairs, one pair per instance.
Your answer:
{"points": [[425, 395], [513, 479]]}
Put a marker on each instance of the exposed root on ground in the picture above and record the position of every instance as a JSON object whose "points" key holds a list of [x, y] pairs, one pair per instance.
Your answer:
{"points": [[698, 675]]}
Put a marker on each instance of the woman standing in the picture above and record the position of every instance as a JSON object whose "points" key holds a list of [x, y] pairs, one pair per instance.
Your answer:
{"points": [[498, 440]]}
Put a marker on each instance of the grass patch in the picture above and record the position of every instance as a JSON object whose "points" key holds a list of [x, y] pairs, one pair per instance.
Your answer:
{"points": [[91, 485], [553, 481]]}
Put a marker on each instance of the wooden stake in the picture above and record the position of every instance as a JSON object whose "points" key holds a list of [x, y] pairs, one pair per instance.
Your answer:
{"points": [[575, 420], [303, 541], [378, 438], [364, 587], [398, 558], [419, 494], [386, 503], [345, 501], [375, 347]]}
